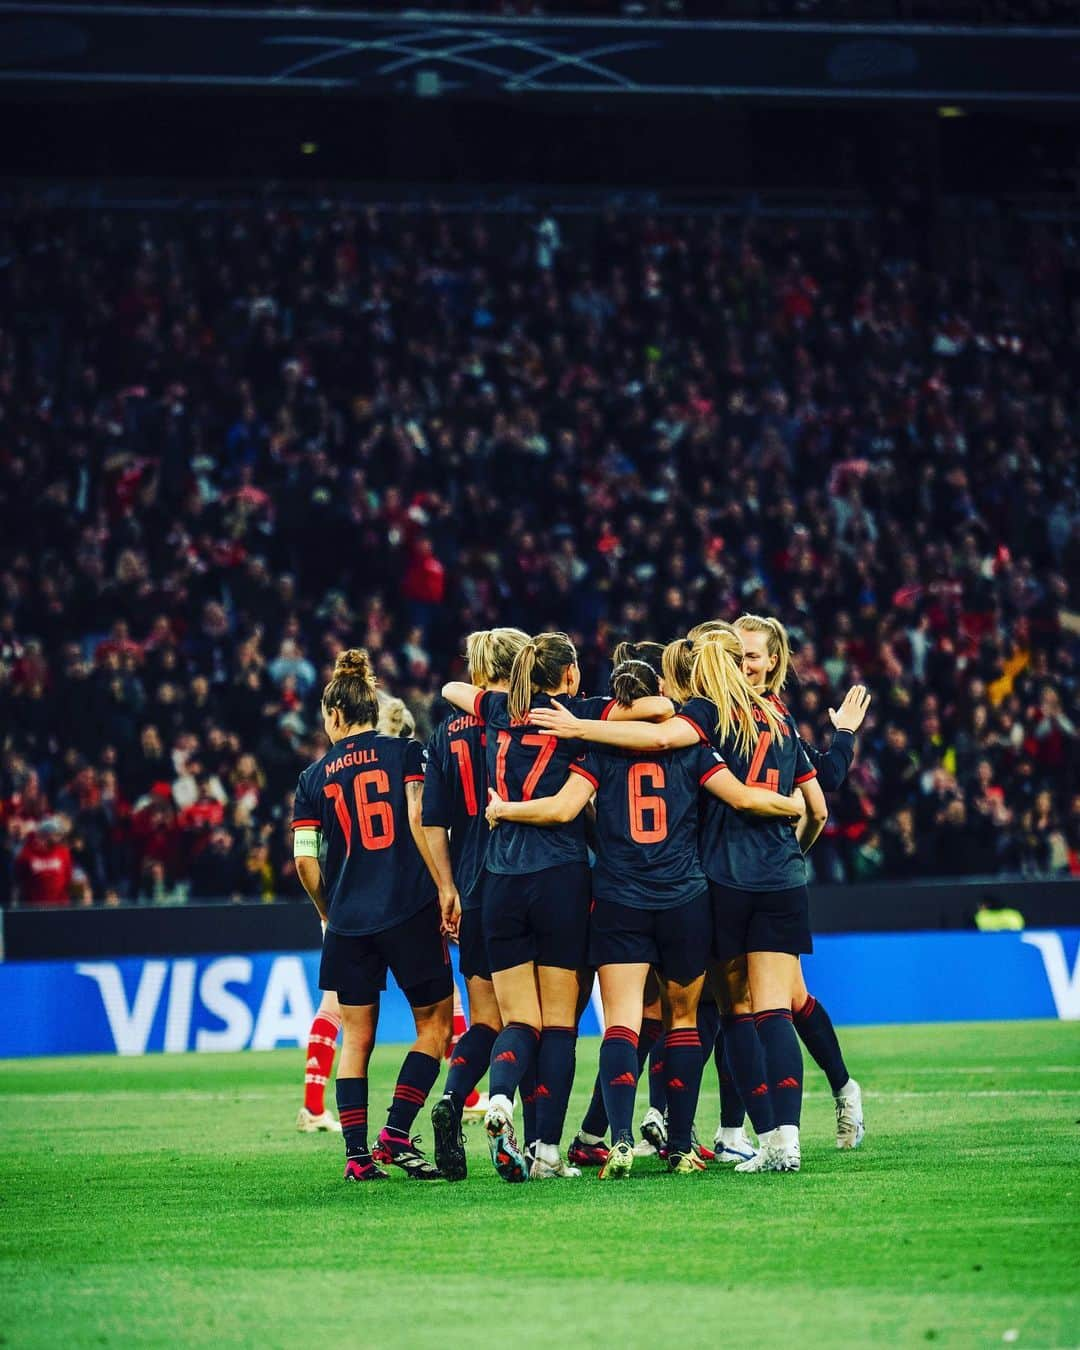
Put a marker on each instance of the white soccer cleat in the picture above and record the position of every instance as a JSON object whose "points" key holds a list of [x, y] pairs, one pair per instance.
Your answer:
{"points": [[309, 1123], [779, 1152], [643, 1149], [548, 1165], [477, 1112], [620, 1160], [732, 1147], [849, 1116], [654, 1129]]}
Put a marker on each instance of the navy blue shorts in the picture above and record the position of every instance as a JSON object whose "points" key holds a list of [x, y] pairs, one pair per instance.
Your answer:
{"points": [[415, 951], [760, 921], [538, 916], [472, 949], [675, 941]]}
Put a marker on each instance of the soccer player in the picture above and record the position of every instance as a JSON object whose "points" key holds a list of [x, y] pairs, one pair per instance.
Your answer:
{"points": [[313, 1117], [756, 872], [535, 905], [379, 892], [651, 908], [455, 794], [766, 664]]}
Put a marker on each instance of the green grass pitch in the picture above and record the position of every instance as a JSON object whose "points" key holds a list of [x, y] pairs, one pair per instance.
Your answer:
{"points": [[169, 1201]]}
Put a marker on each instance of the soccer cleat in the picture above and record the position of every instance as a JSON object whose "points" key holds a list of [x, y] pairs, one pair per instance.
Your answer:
{"points": [[619, 1161], [733, 1147], [544, 1169], [478, 1109], [449, 1141], [404, 1153], [685, 1163], [583, 1154], [507, 1158], [307, 1122], [779, 1152], [705, 1154], [359, 1169], [643, 1149], [654, 1130], [849, 1116]]}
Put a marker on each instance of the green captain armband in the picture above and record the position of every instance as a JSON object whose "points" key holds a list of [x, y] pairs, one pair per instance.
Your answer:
{"points": [[306, 843]]}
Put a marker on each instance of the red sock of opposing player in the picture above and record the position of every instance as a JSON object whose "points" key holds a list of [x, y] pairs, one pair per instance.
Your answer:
{"points": [[322, 1046]]}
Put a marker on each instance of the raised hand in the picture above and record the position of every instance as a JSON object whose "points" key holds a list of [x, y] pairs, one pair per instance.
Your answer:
{"points": [[850, 715]]}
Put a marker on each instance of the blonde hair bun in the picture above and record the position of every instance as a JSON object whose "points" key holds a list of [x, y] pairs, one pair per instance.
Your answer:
{"points": [[352, 664]]}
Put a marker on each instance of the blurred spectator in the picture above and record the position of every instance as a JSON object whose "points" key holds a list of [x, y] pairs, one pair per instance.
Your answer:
{"points": [[43, 869]]}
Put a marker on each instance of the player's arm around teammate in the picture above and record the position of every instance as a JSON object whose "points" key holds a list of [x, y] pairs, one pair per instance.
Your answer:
{"points": [[455, 790]]}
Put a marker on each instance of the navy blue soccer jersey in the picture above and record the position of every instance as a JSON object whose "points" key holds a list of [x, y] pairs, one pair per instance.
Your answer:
{"points": [[455, 796], [373, 873], [753, 853], [647, 823], [524, 762]]}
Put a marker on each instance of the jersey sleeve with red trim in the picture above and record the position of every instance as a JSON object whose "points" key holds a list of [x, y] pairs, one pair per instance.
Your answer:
{"points": [[307, 814], [702, 716], [587, 766], [707, 762], [415, 760]]}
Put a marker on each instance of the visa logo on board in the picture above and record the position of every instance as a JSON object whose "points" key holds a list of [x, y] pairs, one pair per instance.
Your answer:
{"points": [[223, 993]]}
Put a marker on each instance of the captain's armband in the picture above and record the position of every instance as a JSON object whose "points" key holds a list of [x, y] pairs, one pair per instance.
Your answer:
{"points": [[306, 842]]}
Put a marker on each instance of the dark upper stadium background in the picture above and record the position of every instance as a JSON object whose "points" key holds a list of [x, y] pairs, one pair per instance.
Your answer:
{"points": [[784, 317]]}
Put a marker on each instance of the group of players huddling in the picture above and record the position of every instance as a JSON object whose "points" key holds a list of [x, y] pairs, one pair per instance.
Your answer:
{"points": [[690, 785]]}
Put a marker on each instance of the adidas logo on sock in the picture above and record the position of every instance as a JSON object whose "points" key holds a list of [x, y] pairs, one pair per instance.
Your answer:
{"points": [[788, 1083], [457, 1060], [624, 1080], [506, 1057], [676, 1085], [541, 1091]]}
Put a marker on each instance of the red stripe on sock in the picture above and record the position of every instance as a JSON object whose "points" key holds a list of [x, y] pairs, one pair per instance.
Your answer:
{"points": [[771, 1012], [808, 1007], [404, 1093], [621, 1034]]}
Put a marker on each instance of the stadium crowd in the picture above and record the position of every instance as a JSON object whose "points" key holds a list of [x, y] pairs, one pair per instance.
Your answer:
{"points": [[233, 443]]}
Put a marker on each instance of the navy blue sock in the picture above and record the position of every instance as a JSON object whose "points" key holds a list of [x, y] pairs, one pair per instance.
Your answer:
{"points": [[352, 1112], [817, 1033], [732, 1113], [555, 1061], [682, 1078], [595, 1119], [708, 1027], [746, 1059], [650, 1036], [415, 1081], [783, 1063], [469, 1062], [511, 1056], [618, 1078], [657, 1090], [527, 1088]]}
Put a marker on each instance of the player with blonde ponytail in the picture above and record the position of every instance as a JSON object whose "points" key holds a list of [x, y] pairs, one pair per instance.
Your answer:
{"points": [[455, 794], [767, 665]]}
